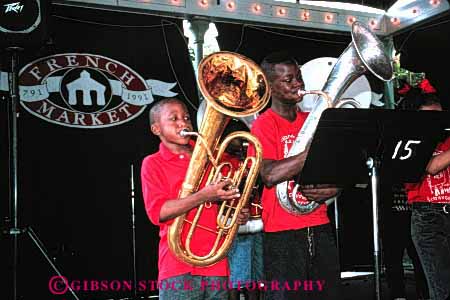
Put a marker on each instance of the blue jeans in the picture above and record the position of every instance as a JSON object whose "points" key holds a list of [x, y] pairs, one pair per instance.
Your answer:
{"points": [[430, 229], [302, 264], [246, 258], [191, 287]]}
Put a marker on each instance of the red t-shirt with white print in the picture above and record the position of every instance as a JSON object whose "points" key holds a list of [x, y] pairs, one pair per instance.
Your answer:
{"points": [[277, 135], [432, 188]]}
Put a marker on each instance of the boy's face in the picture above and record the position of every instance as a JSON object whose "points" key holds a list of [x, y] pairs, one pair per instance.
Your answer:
{"points": [[286, 83], [173, 118]]}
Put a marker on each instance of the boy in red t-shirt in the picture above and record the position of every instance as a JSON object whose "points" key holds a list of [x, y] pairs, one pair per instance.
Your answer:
{"points": [[162, 174], [297, 248], [430, 199]]}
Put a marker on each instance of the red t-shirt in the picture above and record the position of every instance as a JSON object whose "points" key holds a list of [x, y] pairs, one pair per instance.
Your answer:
{"points": [[432, 188], [162, 175], [276, 135]]}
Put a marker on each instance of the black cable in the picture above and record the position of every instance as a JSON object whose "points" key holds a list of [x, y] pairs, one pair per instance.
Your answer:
{"points": [[163, 24], [171, 64], [419, 29], [297, 37], [105, 24]]}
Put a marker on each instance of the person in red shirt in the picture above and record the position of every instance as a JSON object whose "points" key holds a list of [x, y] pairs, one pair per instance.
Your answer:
{"points": [[430, 200], [162, 175], [300, 251]]}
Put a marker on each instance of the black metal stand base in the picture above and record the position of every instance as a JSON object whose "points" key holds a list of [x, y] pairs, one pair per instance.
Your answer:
{"points": [[15, 232]]}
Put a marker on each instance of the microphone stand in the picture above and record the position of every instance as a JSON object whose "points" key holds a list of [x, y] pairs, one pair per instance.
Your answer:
{"points": [[13, 229], [133, 226], [12, 134], [372, 166]]}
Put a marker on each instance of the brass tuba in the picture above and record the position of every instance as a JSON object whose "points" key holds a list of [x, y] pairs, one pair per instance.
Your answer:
{"points": [[233, 86], [364, 53]]}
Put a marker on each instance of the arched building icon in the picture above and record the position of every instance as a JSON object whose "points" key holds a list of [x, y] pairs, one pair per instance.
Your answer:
{"points": [[87, 85]]}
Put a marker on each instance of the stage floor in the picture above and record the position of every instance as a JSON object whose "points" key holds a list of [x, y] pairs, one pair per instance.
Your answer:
{"points": [[362, 286]]}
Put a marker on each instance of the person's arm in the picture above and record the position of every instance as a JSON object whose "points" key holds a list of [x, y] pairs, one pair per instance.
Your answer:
{"points": [[212, 192], [320, 193], [161, 208], [277, 171], [274, 170], [438, 163]]}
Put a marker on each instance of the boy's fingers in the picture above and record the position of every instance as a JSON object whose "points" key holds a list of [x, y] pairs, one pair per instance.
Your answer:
{"points": [[220, 183], [230, 196]]}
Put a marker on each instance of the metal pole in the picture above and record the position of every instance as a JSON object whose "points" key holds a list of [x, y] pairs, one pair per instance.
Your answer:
{"points": [[389, 99], [372, 166], [133, 218], [336, 221], [198, 27], [12, 131], [14, 230]]}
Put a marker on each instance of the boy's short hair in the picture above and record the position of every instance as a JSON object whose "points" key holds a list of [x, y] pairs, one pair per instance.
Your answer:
{"points": [[280, 57], [415, 99], [157, 107]]}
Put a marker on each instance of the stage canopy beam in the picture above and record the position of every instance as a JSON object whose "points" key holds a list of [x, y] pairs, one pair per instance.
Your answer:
{"points": [[321, 16]]}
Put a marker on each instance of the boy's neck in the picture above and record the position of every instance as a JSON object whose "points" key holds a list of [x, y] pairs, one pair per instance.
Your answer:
{"points": [[178, 149], [287, 111]]}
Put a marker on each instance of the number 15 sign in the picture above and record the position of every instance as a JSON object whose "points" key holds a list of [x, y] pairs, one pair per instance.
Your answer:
{"points": [[410, 138]]}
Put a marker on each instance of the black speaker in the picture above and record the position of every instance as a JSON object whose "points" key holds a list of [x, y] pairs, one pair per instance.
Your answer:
{"points": [[23, 23]]}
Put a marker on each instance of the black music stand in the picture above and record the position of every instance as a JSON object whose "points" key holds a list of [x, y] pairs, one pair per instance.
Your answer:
{"points": [[358, 146]]}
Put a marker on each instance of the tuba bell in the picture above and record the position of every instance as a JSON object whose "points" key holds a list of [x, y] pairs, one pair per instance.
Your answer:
{"points": [[233, 86], [364, 53]]}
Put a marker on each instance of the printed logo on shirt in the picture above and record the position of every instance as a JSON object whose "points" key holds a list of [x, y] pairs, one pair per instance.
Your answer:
{"points": [[286, 142], [86, 90], [439, 184]]}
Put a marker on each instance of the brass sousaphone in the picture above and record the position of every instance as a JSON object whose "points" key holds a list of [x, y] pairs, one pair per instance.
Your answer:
{"points": [[365, 54]]}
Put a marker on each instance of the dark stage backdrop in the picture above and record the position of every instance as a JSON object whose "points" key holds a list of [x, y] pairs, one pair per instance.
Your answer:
{"points": [[426, 49], [74, 182]]}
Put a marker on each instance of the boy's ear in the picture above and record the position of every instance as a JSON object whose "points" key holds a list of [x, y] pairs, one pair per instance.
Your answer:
{"points": [[156, 130]]}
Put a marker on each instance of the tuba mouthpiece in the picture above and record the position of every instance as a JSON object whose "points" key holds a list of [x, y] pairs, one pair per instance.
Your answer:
{"points": [[184, 133], [301, 92]]}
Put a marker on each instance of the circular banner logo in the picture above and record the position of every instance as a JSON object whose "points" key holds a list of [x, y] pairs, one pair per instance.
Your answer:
{"points": [[86, 90]]}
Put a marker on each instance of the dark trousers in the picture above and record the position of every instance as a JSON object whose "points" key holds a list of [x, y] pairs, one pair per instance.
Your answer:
{"points": [[430, 229], [302, 264], [397, 238]]}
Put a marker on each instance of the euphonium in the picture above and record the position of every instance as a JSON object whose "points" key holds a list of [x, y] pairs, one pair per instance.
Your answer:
{"points": [[364, 53], [233, 86]]}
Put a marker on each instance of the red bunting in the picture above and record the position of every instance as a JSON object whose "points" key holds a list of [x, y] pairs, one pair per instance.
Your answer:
{"points": [[424, 86]]}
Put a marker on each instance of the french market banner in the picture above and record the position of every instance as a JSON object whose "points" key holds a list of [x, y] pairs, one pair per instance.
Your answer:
{"points": [[81, 75], [83, 131], [87, 90]]}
